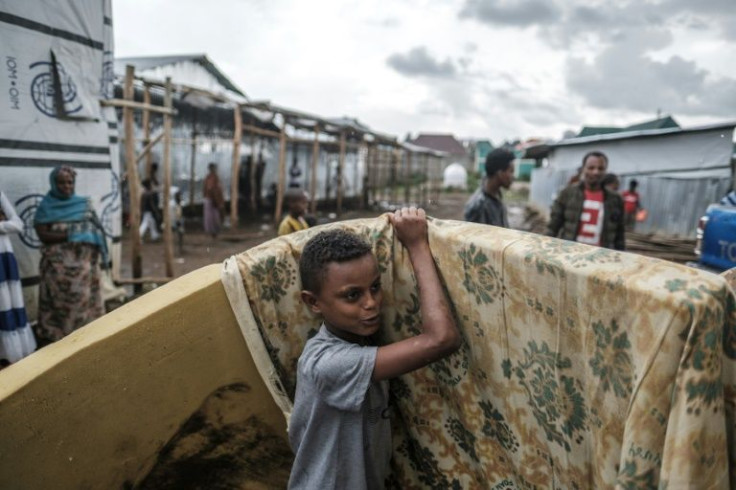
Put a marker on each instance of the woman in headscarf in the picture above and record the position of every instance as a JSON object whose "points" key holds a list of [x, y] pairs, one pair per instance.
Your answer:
{"points": [[16, 337], [214, 202], [73, 245]]}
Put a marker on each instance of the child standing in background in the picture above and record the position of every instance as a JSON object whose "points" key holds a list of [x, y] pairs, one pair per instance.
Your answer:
{"points": [[296, 201]]}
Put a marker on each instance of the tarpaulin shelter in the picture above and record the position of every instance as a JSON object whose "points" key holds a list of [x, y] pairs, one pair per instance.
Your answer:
{"points": [[57, 67]]}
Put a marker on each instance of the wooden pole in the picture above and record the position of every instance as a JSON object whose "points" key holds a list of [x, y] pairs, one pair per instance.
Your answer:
{"points": [[436, 171], [147, 131], [237, 136], [340, 170], [368, 173], [282, 175], [395, 164], [426, 180], [374, 172], [261, 132], [328, 177], [168, 235], [387, 173], [192, 173], [379, 175], [146, 151], [313, 174], [254, 198], [407, 178], [132, 104], [364, 151], [133, 178]]}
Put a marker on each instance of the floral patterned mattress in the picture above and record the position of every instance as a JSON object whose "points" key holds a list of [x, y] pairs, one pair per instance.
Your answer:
{"points": [[581, 368]]}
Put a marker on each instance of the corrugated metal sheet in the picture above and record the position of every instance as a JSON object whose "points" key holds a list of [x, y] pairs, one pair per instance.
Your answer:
{"points": [[675, 205], [546, 183]]}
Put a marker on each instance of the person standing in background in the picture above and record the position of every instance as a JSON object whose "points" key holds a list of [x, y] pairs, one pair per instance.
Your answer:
{"points": [[16, 336], [149, 211], [586, 212], [296, 201], [69, 294], [486, 204], [214, 202], [611, 183], [158, 189], [632, 204]]}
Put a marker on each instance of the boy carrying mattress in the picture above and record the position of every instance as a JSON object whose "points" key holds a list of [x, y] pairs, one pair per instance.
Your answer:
{"points": [[340, 428]]}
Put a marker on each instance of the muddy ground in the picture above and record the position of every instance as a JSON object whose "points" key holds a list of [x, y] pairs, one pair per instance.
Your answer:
{"points": [[200, 249]]}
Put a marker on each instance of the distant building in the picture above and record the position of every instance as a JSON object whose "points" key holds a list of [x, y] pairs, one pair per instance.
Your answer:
{"points": [[482, 149], [446, 143]]}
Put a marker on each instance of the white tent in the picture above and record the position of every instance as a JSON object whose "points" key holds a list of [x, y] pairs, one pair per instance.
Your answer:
{"points": [[455, 176], [58, 59]]}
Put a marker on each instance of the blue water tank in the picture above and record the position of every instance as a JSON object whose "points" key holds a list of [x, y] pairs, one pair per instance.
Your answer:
{"points": [[719, 237]]}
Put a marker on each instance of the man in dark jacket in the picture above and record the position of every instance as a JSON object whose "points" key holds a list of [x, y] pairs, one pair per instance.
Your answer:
{"points": [[586, 212], [486, 204]]}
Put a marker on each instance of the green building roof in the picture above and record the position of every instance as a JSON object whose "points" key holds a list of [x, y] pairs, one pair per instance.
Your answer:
{"points": [[660, 123]]}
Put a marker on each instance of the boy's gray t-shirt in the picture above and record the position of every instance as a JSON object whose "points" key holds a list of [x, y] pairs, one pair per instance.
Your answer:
{"points": [[339, 429]]}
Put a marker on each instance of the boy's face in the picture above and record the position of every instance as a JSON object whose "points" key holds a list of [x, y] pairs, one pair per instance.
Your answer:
{"points": [[350, 298], [298, 207], [506, 177]]}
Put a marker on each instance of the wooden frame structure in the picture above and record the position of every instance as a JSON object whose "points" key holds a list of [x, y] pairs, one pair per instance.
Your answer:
{"points": [[389, 164]]}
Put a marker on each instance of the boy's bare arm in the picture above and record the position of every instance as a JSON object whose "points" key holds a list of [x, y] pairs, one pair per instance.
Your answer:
{"points": [[439, 337]]}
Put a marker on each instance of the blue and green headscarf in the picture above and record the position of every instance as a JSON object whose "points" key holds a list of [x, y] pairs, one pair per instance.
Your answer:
{"points": [[76, 211]]}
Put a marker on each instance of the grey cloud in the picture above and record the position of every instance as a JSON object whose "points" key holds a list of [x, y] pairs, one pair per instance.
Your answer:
{"points": [[622, 76], [418, 62], [562, 22], [729, 29], [708, 6], [520, 13], [697, 24], [433, 107], [523, 103], [587, 15], [675, 86], [465, 62]]}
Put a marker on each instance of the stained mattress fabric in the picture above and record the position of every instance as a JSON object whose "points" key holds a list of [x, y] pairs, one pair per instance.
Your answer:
{"points": [[581, 367]]}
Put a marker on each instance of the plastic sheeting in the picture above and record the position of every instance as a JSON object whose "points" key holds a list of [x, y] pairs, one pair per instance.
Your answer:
{"points": [[56, 64]]}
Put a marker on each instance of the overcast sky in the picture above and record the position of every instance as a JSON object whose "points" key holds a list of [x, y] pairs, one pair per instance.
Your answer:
{"points": [[498, 69]]}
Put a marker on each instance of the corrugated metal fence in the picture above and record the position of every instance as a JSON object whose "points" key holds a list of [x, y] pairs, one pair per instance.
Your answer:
{"points": [[674, 205]]}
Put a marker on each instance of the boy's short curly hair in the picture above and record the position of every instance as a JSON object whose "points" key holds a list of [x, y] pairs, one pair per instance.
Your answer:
{"points": [[328, 246]]}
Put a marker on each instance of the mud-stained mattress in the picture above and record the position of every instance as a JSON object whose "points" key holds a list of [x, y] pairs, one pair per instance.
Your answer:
{"points": [[581, 367]]}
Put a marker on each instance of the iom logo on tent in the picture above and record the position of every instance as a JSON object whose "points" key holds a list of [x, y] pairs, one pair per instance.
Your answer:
{"points": [[44, 89], [27, 206]]}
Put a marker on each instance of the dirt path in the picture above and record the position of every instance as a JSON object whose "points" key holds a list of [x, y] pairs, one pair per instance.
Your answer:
{"points": [[200, 250]]}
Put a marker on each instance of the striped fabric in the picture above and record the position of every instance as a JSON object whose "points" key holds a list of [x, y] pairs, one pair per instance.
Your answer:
{"points": [[16, 337], [8, 266]]}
